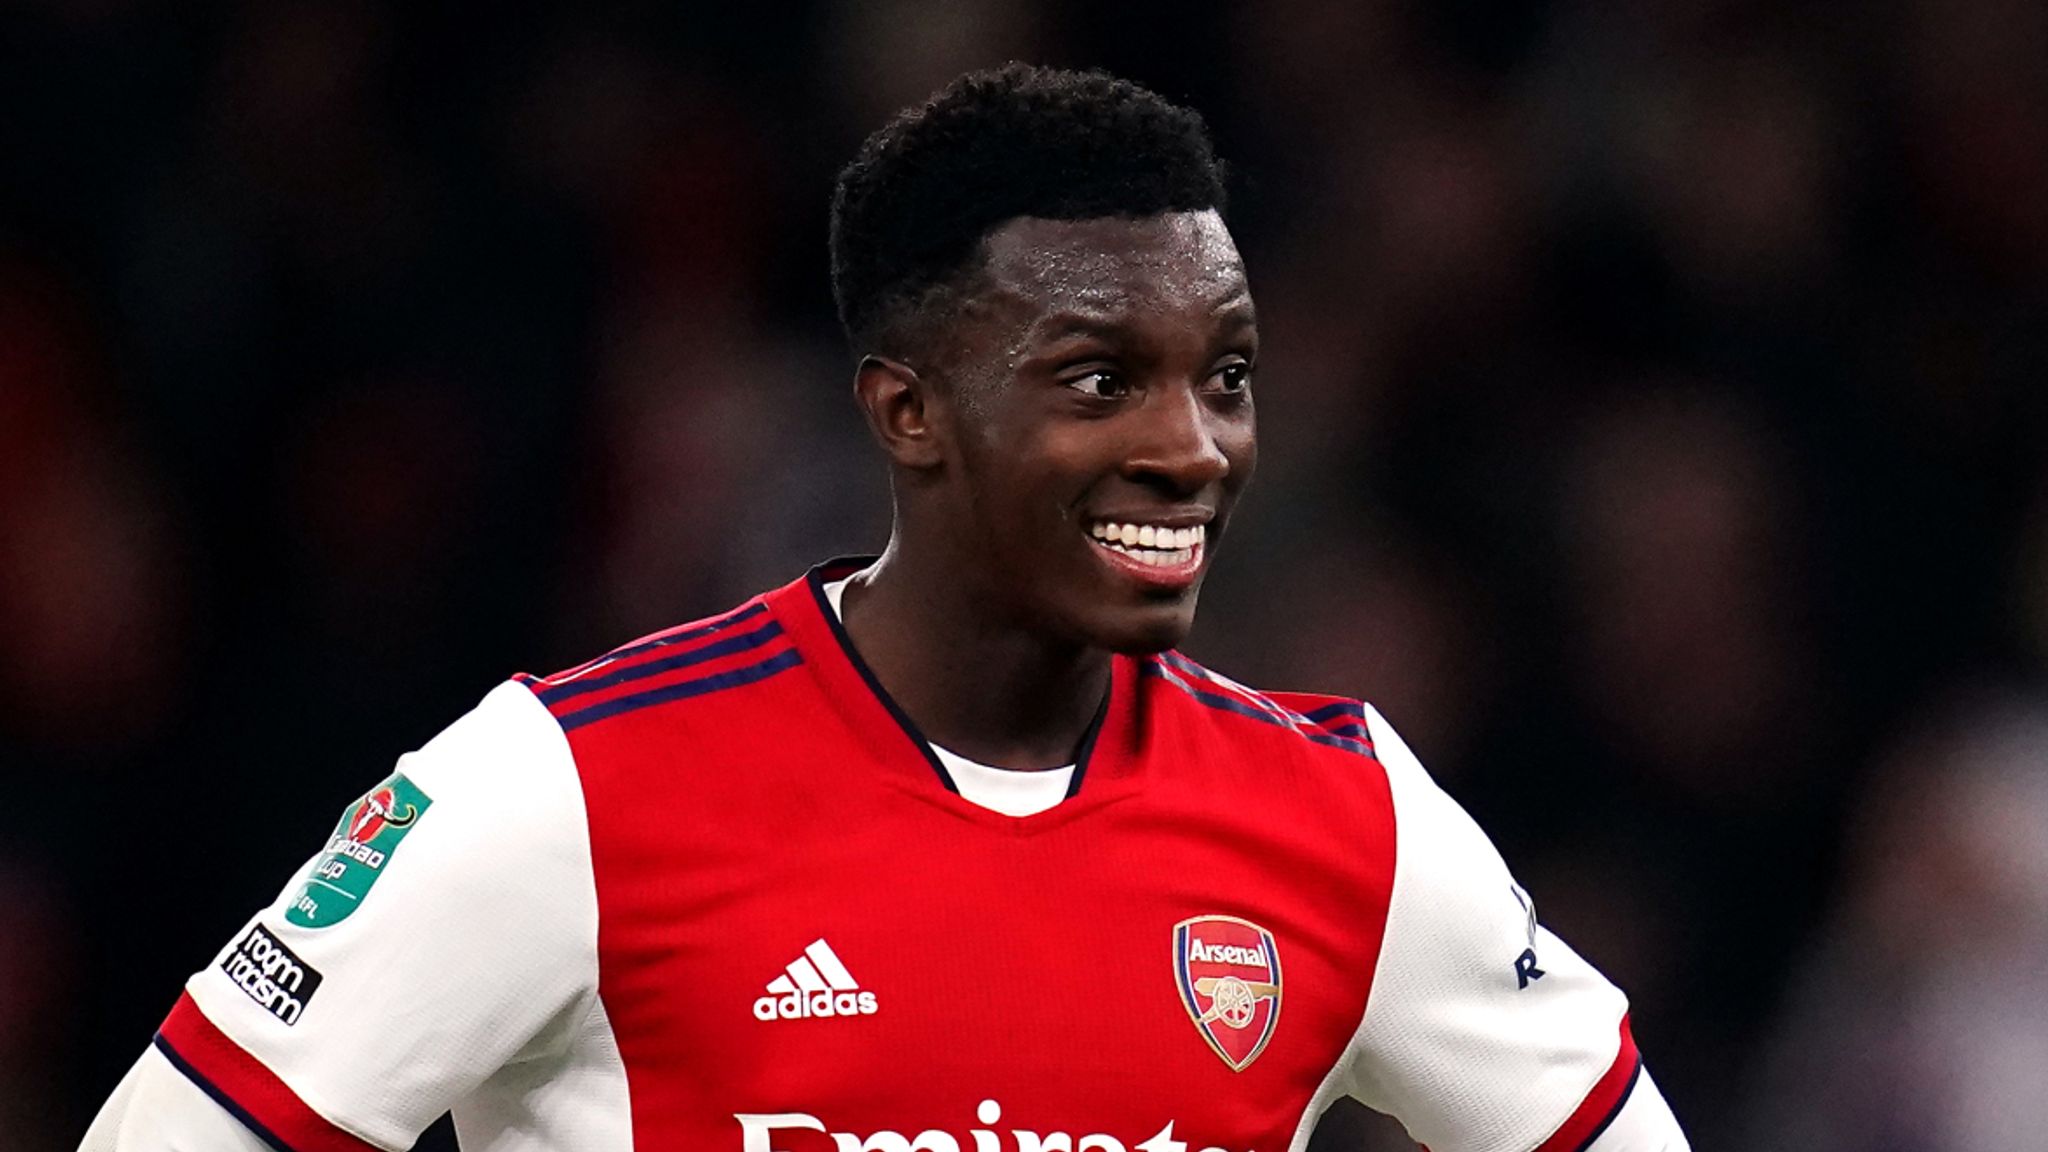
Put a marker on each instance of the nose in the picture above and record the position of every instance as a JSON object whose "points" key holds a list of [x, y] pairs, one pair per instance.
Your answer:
{"points": [[1177, 442]]}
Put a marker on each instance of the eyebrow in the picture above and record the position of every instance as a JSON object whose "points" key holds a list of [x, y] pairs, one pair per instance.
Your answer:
{"points": [[1060, 325], [1237, 312]]}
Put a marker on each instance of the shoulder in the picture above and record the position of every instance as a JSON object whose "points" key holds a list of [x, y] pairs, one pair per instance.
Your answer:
{"points": [[447, 927], [1281, 719], [500, 776], [1482, 1029], [507, 739], [701, 658]]}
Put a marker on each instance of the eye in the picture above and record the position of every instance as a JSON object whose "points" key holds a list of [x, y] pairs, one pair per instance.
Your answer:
{"points": [[1101, 384], [1231, 379]]}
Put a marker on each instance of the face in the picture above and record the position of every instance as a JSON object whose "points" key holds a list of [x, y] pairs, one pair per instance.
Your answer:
{"points": [[1097, 409]]}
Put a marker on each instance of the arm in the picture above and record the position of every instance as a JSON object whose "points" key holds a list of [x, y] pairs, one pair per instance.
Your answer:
{"points": [[1483, 1031], [1644, 1124], [447, 929], [156, 1109]]}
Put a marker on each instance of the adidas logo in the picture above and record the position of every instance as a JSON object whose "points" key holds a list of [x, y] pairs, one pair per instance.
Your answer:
{"points": [[817, 984]]}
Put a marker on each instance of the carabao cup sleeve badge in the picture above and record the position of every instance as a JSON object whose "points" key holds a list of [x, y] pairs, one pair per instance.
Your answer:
{"points": [[1228, 971], [364, 841]]}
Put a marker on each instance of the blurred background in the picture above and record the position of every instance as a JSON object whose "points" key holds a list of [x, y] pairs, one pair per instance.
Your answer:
{"points": [[1653, 408]]}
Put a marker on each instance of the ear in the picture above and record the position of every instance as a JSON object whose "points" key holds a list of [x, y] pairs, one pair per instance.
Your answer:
{"points": [[900, 408]]}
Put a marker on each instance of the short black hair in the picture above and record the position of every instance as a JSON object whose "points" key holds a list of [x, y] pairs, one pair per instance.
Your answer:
{"points": [[910, 211]]}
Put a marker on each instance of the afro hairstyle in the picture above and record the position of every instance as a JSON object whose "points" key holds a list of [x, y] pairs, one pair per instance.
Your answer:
{"points": [[910, 211]]}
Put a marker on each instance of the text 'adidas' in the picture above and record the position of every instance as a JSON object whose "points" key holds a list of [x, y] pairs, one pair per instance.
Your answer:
{"points": [[817, 984]]}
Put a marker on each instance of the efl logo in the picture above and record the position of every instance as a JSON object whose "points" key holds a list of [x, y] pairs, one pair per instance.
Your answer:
{"points": [[1229, 975], [366, 836]]}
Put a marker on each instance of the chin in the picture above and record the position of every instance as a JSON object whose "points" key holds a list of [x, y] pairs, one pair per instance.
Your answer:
{"points": [[1145, 630]]}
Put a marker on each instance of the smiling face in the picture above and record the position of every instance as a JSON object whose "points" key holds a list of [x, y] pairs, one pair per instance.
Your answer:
{"points": [[1095, 416]]}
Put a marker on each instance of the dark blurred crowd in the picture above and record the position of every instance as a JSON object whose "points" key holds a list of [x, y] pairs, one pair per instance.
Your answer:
{"points": [[1653, 402]]}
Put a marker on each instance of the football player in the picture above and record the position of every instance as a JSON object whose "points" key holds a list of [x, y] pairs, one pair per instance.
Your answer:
{"points": [[946, 849]]}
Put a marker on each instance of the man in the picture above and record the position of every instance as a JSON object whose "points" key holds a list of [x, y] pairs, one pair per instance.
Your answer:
{"points": [[945, 850]]}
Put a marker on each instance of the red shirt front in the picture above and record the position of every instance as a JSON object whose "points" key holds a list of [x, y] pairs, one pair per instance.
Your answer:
{"points": [[714, 891]]}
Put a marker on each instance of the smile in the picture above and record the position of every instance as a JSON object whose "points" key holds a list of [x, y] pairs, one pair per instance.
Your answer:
{"points": [[1170, 550]]}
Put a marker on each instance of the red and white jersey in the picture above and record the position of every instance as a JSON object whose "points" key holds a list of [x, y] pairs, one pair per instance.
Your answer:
{"points": [[713, 891]]}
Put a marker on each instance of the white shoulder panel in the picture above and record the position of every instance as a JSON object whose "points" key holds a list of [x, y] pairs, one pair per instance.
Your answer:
{"points": [[472, 948], [1483, 1032]]}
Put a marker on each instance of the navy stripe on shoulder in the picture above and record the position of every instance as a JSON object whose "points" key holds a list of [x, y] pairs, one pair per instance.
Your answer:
{"points": [[1350, 737], [1323, 736], [1212, 699], [1232, 703], [1189, 668], [219, 1097], [1328, 712], [1348, 710], [682, 690], [553, 695], [649, 643]]}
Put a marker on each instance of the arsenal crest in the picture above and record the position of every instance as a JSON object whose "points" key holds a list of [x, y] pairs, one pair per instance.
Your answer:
{"points": [[1229, 975]]}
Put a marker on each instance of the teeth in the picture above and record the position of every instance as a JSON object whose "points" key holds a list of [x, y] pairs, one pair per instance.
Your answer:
{"points": [[1147, 535], [1151, 544]]}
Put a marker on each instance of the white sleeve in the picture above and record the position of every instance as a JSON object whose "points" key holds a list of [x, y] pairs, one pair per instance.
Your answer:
{"points": [[155, 1109], [447, 929], [1483, 1031], [1644, 1124]]}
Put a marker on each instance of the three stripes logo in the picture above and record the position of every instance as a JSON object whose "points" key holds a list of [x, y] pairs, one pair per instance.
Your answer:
{"points": [[816, 984]]}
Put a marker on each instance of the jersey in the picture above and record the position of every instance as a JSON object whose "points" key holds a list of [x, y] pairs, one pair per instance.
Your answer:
{"points": [[714, 891]]}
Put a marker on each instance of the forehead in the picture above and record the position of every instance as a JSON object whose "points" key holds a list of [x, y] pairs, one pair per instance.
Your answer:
{"points": [[1175, 261]]}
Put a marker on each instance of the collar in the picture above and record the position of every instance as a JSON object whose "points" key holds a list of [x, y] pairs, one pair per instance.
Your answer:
{"points": [[1105, 763]]}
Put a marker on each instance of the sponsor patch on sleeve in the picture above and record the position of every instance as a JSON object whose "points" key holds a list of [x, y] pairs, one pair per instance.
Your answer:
{"points": [[271, 974], [363, 843]]}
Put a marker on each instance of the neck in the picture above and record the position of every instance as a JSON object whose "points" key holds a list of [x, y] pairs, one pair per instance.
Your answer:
{"points": [[973, 681]]}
